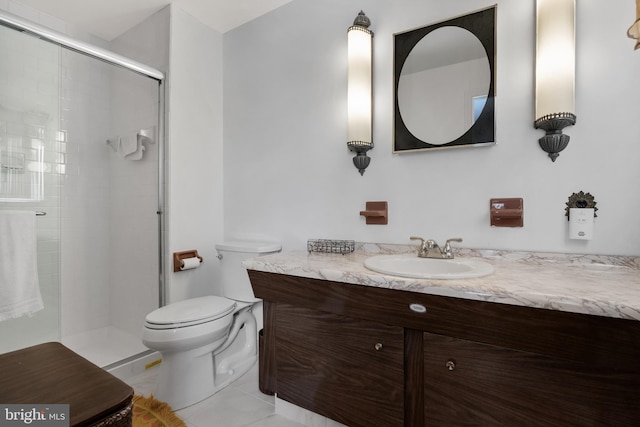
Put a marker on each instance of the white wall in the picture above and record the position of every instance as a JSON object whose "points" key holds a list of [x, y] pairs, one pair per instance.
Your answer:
{"points": [[289, 174], [195, 153]]}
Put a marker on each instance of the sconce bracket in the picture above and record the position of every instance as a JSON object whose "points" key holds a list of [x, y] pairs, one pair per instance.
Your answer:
{"points": [[361, 160], [554, 141]]}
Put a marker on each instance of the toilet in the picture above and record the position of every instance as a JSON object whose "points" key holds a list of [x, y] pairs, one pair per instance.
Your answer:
{"points": [[207, 343]]}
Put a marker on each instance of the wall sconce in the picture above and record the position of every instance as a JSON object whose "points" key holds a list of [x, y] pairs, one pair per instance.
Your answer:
{"points": [[555, 72], [359, 91]]}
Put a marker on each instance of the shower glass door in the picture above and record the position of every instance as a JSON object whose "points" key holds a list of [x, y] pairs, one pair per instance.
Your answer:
{"points": [[32, 150], [109, 204], [87, 134]]}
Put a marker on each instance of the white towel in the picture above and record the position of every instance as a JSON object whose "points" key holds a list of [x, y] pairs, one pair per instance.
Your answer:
{"points": [[19, 287]]}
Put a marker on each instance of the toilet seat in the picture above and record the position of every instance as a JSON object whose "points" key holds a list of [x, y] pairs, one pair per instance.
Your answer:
{"points": [[190, 312]]}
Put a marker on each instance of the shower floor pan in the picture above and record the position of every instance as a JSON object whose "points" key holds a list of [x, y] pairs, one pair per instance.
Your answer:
{"points": [[105, 346]]}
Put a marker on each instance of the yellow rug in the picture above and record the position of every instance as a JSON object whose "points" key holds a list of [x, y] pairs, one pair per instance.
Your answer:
{"points": [[149, 412]]}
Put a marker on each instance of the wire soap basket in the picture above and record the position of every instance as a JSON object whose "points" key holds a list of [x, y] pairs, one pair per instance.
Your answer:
{"points": [[331, 246]]}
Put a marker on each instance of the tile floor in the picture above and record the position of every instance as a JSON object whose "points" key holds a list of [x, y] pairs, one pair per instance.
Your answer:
{"points": [[240, 404]]}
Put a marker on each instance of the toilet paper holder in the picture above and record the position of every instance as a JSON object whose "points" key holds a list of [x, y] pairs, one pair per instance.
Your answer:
{"points": [[507, 212], [178, 258]]}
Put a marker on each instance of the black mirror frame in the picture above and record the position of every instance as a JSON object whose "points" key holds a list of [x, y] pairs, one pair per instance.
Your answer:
{"points": [[482, 24]]}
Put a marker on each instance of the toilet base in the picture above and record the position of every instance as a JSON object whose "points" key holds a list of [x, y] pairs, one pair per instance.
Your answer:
{"points": [[223, 380], [188, 377], [182, 377]]}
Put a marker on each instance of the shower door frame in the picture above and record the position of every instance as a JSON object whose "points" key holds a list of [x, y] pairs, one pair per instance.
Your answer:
{"points": [[23, 25]]}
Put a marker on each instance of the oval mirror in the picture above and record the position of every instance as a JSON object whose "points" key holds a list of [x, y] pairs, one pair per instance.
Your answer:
{"points": [[444, 84]]}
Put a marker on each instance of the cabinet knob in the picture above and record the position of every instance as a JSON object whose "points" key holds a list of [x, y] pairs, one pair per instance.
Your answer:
{"points": [[450, 365], [378, 346]]}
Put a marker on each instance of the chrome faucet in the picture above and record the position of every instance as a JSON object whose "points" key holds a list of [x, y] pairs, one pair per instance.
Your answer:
{"points": [[430, 249]]}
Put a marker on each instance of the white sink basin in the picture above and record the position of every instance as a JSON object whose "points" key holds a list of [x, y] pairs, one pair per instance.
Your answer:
{"points": [[410, 265]]}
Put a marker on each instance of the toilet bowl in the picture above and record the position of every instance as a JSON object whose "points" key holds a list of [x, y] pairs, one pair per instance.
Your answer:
{"points": [[206, 343]]}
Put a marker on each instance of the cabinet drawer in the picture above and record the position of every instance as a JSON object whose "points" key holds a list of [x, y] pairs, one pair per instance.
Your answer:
{"points": [[579, 337], [347, 369], [468, 383]]}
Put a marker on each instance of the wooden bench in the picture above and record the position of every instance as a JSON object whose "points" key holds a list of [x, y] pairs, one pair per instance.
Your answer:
{"points": [[50, 373]]}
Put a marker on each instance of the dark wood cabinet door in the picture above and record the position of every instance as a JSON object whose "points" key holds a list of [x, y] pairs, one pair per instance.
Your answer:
{"points": [[347, 369], [472, 384]]}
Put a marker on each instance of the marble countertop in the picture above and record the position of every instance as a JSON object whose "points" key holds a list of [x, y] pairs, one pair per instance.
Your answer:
{"points": [[599, 285]]}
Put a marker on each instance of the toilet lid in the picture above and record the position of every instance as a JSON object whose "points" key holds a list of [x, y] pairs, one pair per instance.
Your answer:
{"points": [[189, 312]]}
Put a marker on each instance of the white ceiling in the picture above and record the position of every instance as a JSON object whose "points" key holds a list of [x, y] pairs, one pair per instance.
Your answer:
{"points": [[110, 18]]}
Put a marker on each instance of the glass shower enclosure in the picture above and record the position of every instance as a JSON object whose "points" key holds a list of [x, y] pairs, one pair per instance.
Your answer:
{"points": [[81, 145]]}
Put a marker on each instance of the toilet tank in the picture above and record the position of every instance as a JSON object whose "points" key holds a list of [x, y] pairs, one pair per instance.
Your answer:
{"points": [[235, 280]]}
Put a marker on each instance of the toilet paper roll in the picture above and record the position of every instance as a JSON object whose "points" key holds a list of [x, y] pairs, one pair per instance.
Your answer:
{"points": [[189, 263]]}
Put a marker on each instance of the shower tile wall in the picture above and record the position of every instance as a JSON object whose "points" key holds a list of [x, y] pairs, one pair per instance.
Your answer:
{"points": [[133, 266], [85, 120]]}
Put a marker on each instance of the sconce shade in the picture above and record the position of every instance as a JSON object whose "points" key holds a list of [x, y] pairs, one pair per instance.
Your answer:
{"points": [[359, 90], [555, 72]]}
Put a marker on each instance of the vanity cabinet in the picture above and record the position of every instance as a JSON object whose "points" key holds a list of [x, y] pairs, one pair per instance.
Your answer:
{"points": [[350, 370], [470, 383], [458, 362]]}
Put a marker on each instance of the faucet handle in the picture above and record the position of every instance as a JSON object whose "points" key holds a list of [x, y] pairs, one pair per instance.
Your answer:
{"points": [[446, 251], [424, 245]]}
